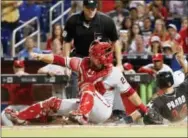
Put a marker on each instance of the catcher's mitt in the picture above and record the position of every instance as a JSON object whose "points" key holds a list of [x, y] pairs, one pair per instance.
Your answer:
{"points": [[152, 117]]}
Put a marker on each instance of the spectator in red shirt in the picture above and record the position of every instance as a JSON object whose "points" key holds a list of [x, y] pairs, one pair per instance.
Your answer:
{"points": [[160, 30], [163, 13], [20, 95], [57, 32], [184, 34], [106, 5], [174, 35]]}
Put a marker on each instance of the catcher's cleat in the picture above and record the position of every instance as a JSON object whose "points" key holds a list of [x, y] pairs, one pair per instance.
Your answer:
{"points": [[67, 121], [12, 115], [77, 117]]}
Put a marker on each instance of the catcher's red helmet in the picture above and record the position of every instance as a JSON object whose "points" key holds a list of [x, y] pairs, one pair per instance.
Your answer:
{"points": [[102, 51]]}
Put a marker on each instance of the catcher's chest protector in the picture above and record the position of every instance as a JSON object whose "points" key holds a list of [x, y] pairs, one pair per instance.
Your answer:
{"points": [[89, 75]]}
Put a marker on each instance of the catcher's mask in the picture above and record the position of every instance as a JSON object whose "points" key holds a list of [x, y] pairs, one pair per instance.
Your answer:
{"points": [[165, 80], [102, 51]]}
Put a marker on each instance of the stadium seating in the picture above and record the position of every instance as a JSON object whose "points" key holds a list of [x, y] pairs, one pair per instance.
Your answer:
{"points": [[5, 40], [6, 36], [28, 11]]}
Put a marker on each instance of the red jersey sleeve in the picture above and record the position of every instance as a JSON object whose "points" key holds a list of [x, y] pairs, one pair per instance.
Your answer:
{"points": [[72, 63], [48, 44]]}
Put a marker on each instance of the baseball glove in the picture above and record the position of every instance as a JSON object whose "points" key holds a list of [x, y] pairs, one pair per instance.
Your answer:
{"points": [[152, 117]]}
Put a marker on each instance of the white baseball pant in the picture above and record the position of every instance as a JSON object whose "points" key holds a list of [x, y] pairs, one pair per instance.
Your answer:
{"points": [[5, 120], [100, 112]]}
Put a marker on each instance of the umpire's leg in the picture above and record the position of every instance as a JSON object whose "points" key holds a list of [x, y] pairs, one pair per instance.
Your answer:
{"points": [[72, 89]]}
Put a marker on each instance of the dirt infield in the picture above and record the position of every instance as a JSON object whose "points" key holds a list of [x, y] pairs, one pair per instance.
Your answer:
{"points": [[96, 131]]}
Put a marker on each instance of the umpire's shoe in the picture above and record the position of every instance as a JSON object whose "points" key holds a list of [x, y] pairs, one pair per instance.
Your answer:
{"points": [[77, 117], [12, 115]]}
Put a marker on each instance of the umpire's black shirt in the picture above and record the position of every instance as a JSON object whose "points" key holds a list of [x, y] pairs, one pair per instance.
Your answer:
{"points": [[83, 32]]}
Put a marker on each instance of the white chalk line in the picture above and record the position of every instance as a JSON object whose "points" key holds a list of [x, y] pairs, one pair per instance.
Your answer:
{"points": [[88, 126]]}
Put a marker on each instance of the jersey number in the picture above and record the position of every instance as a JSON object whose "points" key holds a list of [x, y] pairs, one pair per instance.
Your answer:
{"points": [[123, 80]]}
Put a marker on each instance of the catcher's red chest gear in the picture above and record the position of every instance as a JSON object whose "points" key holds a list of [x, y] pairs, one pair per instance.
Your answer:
{"points": [[102, 51], [88, 75]]}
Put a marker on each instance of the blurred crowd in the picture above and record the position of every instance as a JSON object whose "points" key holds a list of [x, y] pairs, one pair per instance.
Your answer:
{"points": [[151, 27], [144, 26]]}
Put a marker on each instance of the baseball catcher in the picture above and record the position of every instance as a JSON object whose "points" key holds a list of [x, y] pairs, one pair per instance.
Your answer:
{"points": [[98, 81], [172, 105]]}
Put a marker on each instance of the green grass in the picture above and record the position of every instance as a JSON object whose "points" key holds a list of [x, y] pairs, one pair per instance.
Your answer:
{"points": [[156, 131]]}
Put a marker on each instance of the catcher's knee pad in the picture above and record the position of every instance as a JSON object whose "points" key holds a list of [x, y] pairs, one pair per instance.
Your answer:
{"points": [[52, 103]]}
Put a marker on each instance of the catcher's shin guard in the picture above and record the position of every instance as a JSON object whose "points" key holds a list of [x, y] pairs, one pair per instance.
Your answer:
{"points": [[87, 99], [40, 109], [86, 105]]}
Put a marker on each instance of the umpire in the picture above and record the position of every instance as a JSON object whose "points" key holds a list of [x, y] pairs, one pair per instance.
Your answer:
{"points": [[172, 105], [85, 27]]}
